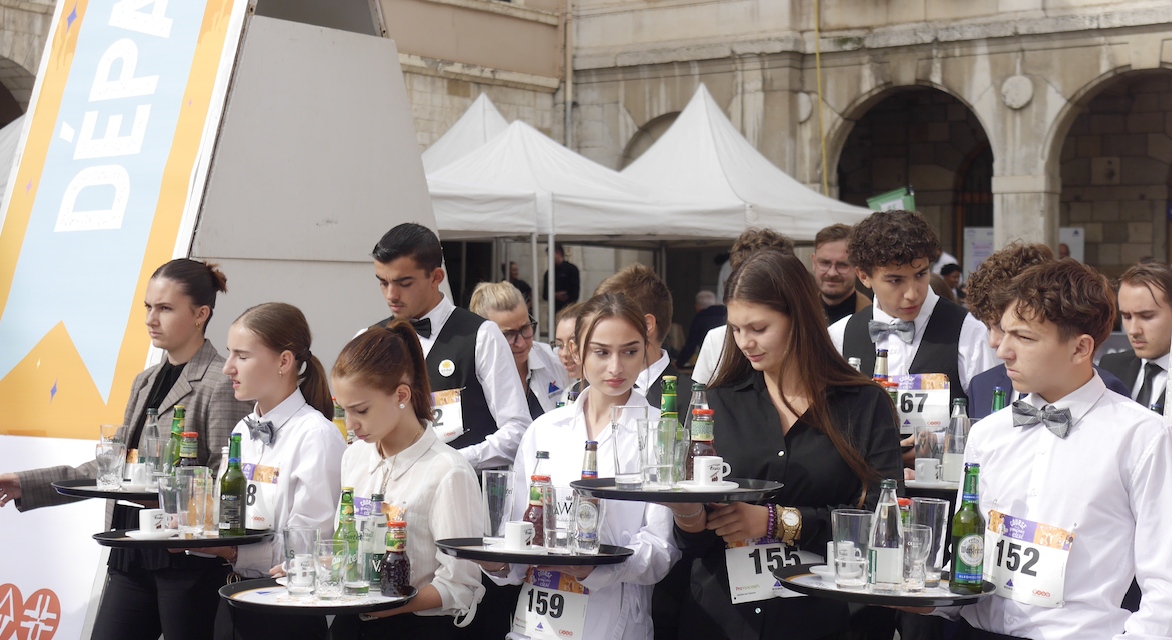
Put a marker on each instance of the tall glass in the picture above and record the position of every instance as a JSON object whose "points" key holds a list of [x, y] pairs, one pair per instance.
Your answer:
{"points": [[110, 456], [657, 439], [299, 573], [173, 507], [200, 500], [852, 530], [496, 500], [935, 514], [329, 563], [588, 516], [558, 521], [628, 470], [357, 582]]}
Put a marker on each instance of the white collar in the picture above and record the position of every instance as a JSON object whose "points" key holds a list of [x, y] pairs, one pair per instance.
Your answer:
{"points": [[439, 314], [1079, 401], [922, 317], [648, 376], [283, 412], [1163, 361], [406, 458]]}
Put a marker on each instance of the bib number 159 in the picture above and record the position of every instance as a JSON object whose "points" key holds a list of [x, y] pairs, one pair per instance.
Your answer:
{"points": [[544, 603]]}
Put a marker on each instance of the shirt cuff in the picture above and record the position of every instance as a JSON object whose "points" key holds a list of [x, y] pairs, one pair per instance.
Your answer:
{"points": [[253, 560], [602, 576]]}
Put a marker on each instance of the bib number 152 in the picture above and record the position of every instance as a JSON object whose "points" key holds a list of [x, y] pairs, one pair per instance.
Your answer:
{"points": [[1012, 554]]}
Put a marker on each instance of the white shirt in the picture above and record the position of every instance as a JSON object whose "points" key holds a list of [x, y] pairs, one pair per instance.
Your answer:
{"points": [[973, 354], [1110, 483], [1160, 383], [709, 358], [496, 370], [721, 277], [548, 379], [442, 497], [307, 449], [620, 594], [652, 374]]}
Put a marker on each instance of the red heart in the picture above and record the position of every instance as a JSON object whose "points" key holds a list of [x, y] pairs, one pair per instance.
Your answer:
{"points": [[40, 616], [11, 610]]}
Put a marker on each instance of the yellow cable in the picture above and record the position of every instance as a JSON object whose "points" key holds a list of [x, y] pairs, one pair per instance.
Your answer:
{"points": [[818, 69]]}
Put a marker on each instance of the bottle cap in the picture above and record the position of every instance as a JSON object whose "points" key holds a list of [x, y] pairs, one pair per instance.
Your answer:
{"points": [[697, 386], [903, 502], [376, 497], [189, 434], [539, 478], [396, 524], [975, 465], [152, 411], [703, 412], [669, 377], [592, 442], [887, 484], [179, 406], [543, 455], [880, 352], [960, 401], [996, 389]]}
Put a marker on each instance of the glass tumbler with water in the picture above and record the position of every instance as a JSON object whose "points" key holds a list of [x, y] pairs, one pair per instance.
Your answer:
{"points": [[657, 452], [628, 470], [852, 529], [558, 521]]}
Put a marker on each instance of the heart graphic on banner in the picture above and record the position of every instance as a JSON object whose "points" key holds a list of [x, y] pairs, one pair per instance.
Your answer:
{"points": [[34, 619]]}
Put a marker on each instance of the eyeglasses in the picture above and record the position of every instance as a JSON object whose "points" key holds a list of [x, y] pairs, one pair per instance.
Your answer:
{"points": [[824, 266], [524, 333]]}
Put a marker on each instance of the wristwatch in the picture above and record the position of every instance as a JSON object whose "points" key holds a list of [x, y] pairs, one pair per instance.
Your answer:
{"points": [[791, 525]]}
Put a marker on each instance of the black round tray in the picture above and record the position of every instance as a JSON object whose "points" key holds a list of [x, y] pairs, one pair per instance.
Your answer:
{"points": [[473, 549], [89, 489], [119, 540], [749, 491], [369, 604], [794, 579]]}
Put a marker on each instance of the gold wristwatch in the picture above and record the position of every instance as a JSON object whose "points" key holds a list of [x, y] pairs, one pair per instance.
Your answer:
{"points": [[791, 525]]}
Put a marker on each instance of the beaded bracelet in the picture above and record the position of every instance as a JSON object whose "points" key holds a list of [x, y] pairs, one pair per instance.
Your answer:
{"points": [[771, 528]]}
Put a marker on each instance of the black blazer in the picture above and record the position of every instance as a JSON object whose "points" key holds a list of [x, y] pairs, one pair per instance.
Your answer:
{"points": [[981, 388], [1125, 365]]}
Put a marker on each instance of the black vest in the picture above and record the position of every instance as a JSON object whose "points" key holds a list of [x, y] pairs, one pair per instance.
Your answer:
{"points": [[457, 342], [938, 348]]}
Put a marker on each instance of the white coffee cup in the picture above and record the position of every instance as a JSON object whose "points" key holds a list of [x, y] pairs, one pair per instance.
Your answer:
{"points": [[927, 469], [710, 469], [150, 520], [519, 535]]}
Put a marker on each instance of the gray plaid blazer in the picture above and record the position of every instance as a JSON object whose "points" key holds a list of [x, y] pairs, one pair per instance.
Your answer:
{"points": [[212, 412]]}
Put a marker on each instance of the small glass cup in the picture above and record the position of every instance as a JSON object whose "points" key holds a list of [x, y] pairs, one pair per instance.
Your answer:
{"points": [[299, 572], [111, 457], [852, 528], [917, 544], [587, 516], [628, 469], [173, 507], [113, 433], [329, 562]]}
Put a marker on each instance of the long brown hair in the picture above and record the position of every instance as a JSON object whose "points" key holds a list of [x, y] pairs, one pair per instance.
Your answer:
{"points": [[599, 308], [383, 359], [282, 327], [780, 282]]}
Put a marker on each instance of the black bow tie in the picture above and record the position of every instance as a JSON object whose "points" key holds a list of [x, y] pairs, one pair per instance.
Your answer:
{"points": [[422, 327], [261, 430]]}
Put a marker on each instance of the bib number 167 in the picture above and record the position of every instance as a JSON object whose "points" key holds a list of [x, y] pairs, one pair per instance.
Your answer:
{"points": [[543, 603]]}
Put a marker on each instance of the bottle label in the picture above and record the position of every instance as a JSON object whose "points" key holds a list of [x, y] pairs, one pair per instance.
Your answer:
{"points": [[971, 551], [702, 429], [885, 566], [188, 449], [396, 544], [231, 512], [535, 495], [971, 498]]}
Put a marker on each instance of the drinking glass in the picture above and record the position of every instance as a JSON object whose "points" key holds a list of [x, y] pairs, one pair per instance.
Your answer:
{"points": [[357, 582], [199, 494], [929, 442], [111, 456], [657, 452], [917, 543], [151, 450], [173, 507], [329, 562], [588, 514], [558, 521], [113, 433], [933, 513], [852, 528], [496, 499], [299, 543], [628, 470]]}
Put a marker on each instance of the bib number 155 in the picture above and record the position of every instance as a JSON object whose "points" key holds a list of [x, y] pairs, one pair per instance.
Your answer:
{"points": [[774, 557]]}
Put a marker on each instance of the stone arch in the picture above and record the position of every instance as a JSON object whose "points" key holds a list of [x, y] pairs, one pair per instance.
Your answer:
{"points": [[646, 136]]}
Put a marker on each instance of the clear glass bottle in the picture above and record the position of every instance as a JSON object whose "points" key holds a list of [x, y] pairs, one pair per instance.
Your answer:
{"points": [[856, 364], [586, 522], [885, 549], [150, 434], [952, 464]]}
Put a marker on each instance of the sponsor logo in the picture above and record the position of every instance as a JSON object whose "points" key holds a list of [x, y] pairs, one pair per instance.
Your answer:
{"points": [[447, 368], [1043, 594], [35, 618]]}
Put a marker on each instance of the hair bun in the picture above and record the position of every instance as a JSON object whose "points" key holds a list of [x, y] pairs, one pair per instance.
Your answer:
{"points": [[219, 280]]}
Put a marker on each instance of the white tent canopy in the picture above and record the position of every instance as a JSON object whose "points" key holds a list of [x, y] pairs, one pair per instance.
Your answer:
{"points": [[479, 124], [702, 155]]}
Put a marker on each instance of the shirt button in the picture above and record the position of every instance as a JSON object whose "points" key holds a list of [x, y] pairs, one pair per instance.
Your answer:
{"points": [[1033, 492], [758, 609], [780, 454]]}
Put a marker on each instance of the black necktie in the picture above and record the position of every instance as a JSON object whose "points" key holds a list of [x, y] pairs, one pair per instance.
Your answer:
{"points": [[422, 327], [1151, 370]]}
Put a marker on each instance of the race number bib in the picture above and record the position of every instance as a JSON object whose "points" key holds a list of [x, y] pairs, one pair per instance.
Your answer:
{"points": [[923, 401], [1026, 560], [750, 567], [448, 417], [552, 606], [260, 496]]}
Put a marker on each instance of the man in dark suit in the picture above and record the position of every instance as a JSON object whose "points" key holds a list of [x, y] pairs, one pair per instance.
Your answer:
{"points": [[709, 315], [1147, 319]]}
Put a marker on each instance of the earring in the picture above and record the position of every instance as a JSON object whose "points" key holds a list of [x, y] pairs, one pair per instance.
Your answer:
{"points": [[280, 373], [402, 406]]}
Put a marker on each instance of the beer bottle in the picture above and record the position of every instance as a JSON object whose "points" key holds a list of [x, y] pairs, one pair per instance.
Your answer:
{"points": [[347, 533], [998, 399], [703, 440], [667, 402], [340, 422], [968, 536], [394, 576], [880, 366], [233, 492], [189, 449], [586, 517], [171, 452], [347, 501]]}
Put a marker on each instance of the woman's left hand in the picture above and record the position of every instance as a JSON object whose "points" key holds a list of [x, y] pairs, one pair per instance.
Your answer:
{"points": [[578, 573], [738, 521]]}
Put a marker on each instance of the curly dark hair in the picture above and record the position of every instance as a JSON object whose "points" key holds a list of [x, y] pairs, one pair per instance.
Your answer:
{"points": [[996, 272], [891, 239], [1073, 296], [753, 240]]}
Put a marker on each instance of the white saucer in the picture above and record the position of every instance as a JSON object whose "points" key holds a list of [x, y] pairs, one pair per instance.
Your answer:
{"points": [[823, 571], [931, 484], [693, 486], [138, 534], [535, 549], [281, 581]]}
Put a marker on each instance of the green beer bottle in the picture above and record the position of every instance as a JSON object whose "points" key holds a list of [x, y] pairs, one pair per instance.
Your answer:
{"points": [[171, 451], [968, 536], [233, 489], [998, 399]]}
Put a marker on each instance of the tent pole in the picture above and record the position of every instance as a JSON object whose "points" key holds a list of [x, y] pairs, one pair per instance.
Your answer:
{"points": [[463, 271], [551, 284], [534, 294]]}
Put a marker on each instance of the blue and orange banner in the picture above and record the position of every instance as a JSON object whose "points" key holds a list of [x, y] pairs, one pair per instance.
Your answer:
{"points": [[108, 168]]}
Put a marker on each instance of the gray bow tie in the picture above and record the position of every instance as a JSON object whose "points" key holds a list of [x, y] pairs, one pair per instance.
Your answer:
{"points": [[260, 429], [1056, 420], [904, 329]]}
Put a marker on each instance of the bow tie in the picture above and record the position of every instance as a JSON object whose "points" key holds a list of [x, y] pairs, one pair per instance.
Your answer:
{"points": [[1056, 420], [903, 329], [422, 327], [260, 429]]}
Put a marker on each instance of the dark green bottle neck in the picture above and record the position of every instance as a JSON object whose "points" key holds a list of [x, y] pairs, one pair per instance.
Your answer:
{"points": [[234, 453], [972, 489]]}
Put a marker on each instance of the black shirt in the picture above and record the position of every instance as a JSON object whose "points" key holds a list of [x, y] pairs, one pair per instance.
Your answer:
{"points": [[817, 480], [565, 278], [706, 320], [837, 312], [525, 289], [168, 376]]}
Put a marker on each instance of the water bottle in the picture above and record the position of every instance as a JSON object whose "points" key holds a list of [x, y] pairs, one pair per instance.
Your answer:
{"points": [[885, 553], [952, 465]]}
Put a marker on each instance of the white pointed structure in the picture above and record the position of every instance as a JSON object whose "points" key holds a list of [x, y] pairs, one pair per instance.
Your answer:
{"points": [[479, 124], [704, 156]]}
